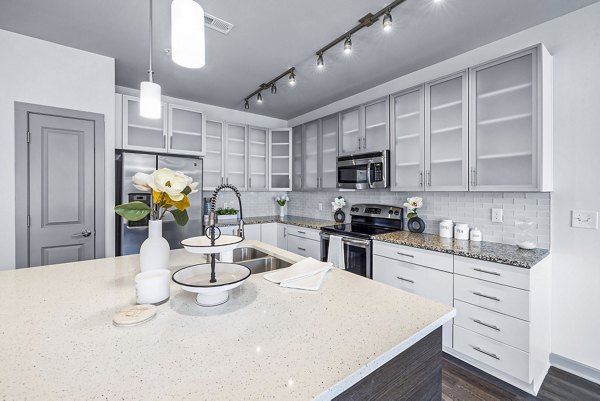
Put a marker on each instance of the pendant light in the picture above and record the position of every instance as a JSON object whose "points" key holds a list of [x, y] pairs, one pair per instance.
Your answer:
{"points": [[150, 99], [187, 33]]}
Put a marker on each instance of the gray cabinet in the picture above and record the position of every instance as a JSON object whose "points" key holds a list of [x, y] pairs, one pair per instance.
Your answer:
{"points": [[297, 161], [258, 159], [319, 153], [350, 135], [511, 123], [236, 155], [140, 133], [280, 166], [310, 155], [214, 159], [186, 131], [446, 134], [364, 128]]}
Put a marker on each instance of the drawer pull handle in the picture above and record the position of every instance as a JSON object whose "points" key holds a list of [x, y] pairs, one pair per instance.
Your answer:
{"points": [[302, 249], [486, 271], [491, 326], [301, 232], [491, 355], [408, 255], [405, 279], [487, 296]]}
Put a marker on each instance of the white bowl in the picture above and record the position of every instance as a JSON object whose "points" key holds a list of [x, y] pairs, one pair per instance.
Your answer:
{"points": [[224, 243], [196, 278]]}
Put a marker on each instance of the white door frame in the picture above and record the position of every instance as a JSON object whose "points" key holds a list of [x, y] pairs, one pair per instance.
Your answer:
{"points": [[22, 111]]}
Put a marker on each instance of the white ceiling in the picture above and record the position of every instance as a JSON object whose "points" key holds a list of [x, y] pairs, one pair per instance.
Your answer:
{"points": [[271, 35]]}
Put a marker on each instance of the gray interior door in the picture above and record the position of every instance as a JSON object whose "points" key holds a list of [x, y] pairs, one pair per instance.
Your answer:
{"points": [[61, 189]]}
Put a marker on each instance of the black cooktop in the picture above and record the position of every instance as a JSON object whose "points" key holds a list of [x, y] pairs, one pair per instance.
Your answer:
{"points": [[358, 230]]}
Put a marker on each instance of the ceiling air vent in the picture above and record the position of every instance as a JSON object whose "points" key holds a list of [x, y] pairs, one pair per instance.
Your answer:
{"points": [[217, 24]]}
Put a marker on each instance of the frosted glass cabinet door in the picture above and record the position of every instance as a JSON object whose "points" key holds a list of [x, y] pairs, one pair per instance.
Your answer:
{"points": [[213, 161], [446, 134], [297, 161], [504, 132], [281, 159], [328, 153], [351, 135], [140, 133], [258, 159], [408, 140], [186, 131], [235, 160], [310, 139], [376, 131]]}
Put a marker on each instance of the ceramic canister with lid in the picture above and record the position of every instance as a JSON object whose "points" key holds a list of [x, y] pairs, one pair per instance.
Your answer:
{"points": [[446, 229], [461, 231], [476, 235]]}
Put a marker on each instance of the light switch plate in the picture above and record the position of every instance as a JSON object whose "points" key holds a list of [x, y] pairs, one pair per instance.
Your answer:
{"points": [[584, 219], [320, 207], [497, 215]]}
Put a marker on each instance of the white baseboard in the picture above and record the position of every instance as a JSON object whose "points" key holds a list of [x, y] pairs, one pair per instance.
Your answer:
{"points": [[576, 368]]}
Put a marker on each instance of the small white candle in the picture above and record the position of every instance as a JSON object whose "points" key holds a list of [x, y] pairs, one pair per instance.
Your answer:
{"points": [[153, 286]]}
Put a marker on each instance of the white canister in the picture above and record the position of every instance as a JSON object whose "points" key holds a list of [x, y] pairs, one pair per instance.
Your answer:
{"points": [[476, 235], [461, 231], [446, 229], [153, 286]]}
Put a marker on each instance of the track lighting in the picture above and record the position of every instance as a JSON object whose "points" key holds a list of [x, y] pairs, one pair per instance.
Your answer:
{"points": [[272, 84], [320, 62], [347, 45], [273, 88], [259, 97], [292, 79], [387, 21], [246, 104]]}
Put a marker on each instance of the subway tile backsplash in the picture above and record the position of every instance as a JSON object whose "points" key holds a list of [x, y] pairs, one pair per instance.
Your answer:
{"points": [[253, 203], [473, 208]]}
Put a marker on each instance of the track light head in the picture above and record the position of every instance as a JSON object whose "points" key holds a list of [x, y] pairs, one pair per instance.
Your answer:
{"points": [[246, 104], [273, 88], [259, 97], [320, 62], [347, 45], [292, 79], [387, 21]]}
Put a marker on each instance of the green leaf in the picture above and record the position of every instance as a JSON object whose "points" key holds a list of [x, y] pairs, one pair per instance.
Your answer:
{"points": [[133, 211], [411, 215], [181, 216]]}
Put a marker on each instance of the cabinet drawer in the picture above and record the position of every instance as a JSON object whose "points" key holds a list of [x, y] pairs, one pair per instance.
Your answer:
{"points": [[493, 353], [304, 232], [420, 280], [506, 329], [304, 246], [508, 300], [494, 272], [435, 260]]}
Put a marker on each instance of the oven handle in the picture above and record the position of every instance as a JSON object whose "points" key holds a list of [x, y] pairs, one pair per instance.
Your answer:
{"points": [[369, 174], [350, 241]]}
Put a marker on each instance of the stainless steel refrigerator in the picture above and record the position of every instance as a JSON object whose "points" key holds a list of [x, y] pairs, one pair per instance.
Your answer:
{"points": [[131, 234]]}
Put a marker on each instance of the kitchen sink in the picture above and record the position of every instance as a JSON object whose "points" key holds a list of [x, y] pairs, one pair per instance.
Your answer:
{"points": [[257, 261], [241, 254]]}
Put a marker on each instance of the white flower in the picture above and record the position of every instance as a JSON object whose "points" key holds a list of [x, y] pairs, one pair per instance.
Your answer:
{"points": [[142, 181], [165, 180], [414, 203], [189, 181]]}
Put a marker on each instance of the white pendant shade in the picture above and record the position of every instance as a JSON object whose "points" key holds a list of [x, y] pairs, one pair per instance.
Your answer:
{"points": [[187, 33], [150, 100]]}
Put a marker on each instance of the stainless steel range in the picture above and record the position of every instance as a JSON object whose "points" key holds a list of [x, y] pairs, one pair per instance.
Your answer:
{"points": [[366, 222]]}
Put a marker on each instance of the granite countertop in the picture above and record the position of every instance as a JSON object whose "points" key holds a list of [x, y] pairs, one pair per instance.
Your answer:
{"points": [[305, 222], [488, 251], [267, 342]]}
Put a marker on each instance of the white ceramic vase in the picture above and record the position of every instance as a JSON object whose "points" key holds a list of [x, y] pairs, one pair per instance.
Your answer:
{"points": [[282, 211], [155, 251]]}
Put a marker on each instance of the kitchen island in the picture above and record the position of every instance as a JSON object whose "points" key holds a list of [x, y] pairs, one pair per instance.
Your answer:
{"points": [[352, 337]]}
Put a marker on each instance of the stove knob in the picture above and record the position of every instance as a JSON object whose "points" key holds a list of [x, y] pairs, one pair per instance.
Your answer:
{"points": [[397, 212], [391, 211]]}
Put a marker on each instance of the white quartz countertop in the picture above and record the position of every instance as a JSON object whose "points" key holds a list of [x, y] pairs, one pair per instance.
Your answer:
{"points": [[57, 340]]}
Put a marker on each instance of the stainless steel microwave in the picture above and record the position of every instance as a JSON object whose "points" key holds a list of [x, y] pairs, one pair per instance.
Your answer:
{"points": [[363, 171]]}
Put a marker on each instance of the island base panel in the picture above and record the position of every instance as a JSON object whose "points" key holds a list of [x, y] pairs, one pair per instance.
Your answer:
{"points": [[415, 374]]}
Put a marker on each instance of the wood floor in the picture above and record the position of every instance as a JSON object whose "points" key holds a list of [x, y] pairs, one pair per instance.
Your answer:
{"points": [[462, 382]]}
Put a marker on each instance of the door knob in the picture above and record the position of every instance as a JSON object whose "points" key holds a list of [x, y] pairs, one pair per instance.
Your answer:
{"points": [[84, 233]]}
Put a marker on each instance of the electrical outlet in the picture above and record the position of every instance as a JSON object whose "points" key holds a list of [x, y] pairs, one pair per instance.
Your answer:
{"points": [[584, 219], [497, 215], [320, 207], [224, 205]]}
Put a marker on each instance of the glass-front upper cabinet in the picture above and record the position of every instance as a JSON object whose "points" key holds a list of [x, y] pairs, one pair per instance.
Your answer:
{"points": [[297, 161], [281, 159], [235, 155], [328, 152], [140, 133], [186, 131], [510, 123], [258, 159], [213, 161], [446, 134], [376, 132], [310, 139], [408, 140], [350, 135]]}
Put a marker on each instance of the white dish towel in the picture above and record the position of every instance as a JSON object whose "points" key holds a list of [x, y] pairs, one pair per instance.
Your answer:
{"points": [[335, 252], [308, 274]]}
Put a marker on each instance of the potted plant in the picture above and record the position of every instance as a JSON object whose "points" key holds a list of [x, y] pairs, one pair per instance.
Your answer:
{"points": [[415, 223], [170, 190], [281, 201], [227, 215]]}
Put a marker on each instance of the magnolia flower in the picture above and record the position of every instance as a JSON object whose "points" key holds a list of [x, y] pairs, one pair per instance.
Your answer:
{"points": [[414, 203], [141, 181], [338, 203], [190, 182]]}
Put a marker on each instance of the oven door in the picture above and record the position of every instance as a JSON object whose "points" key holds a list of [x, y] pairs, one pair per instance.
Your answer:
{"points": [[357, 254]]}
